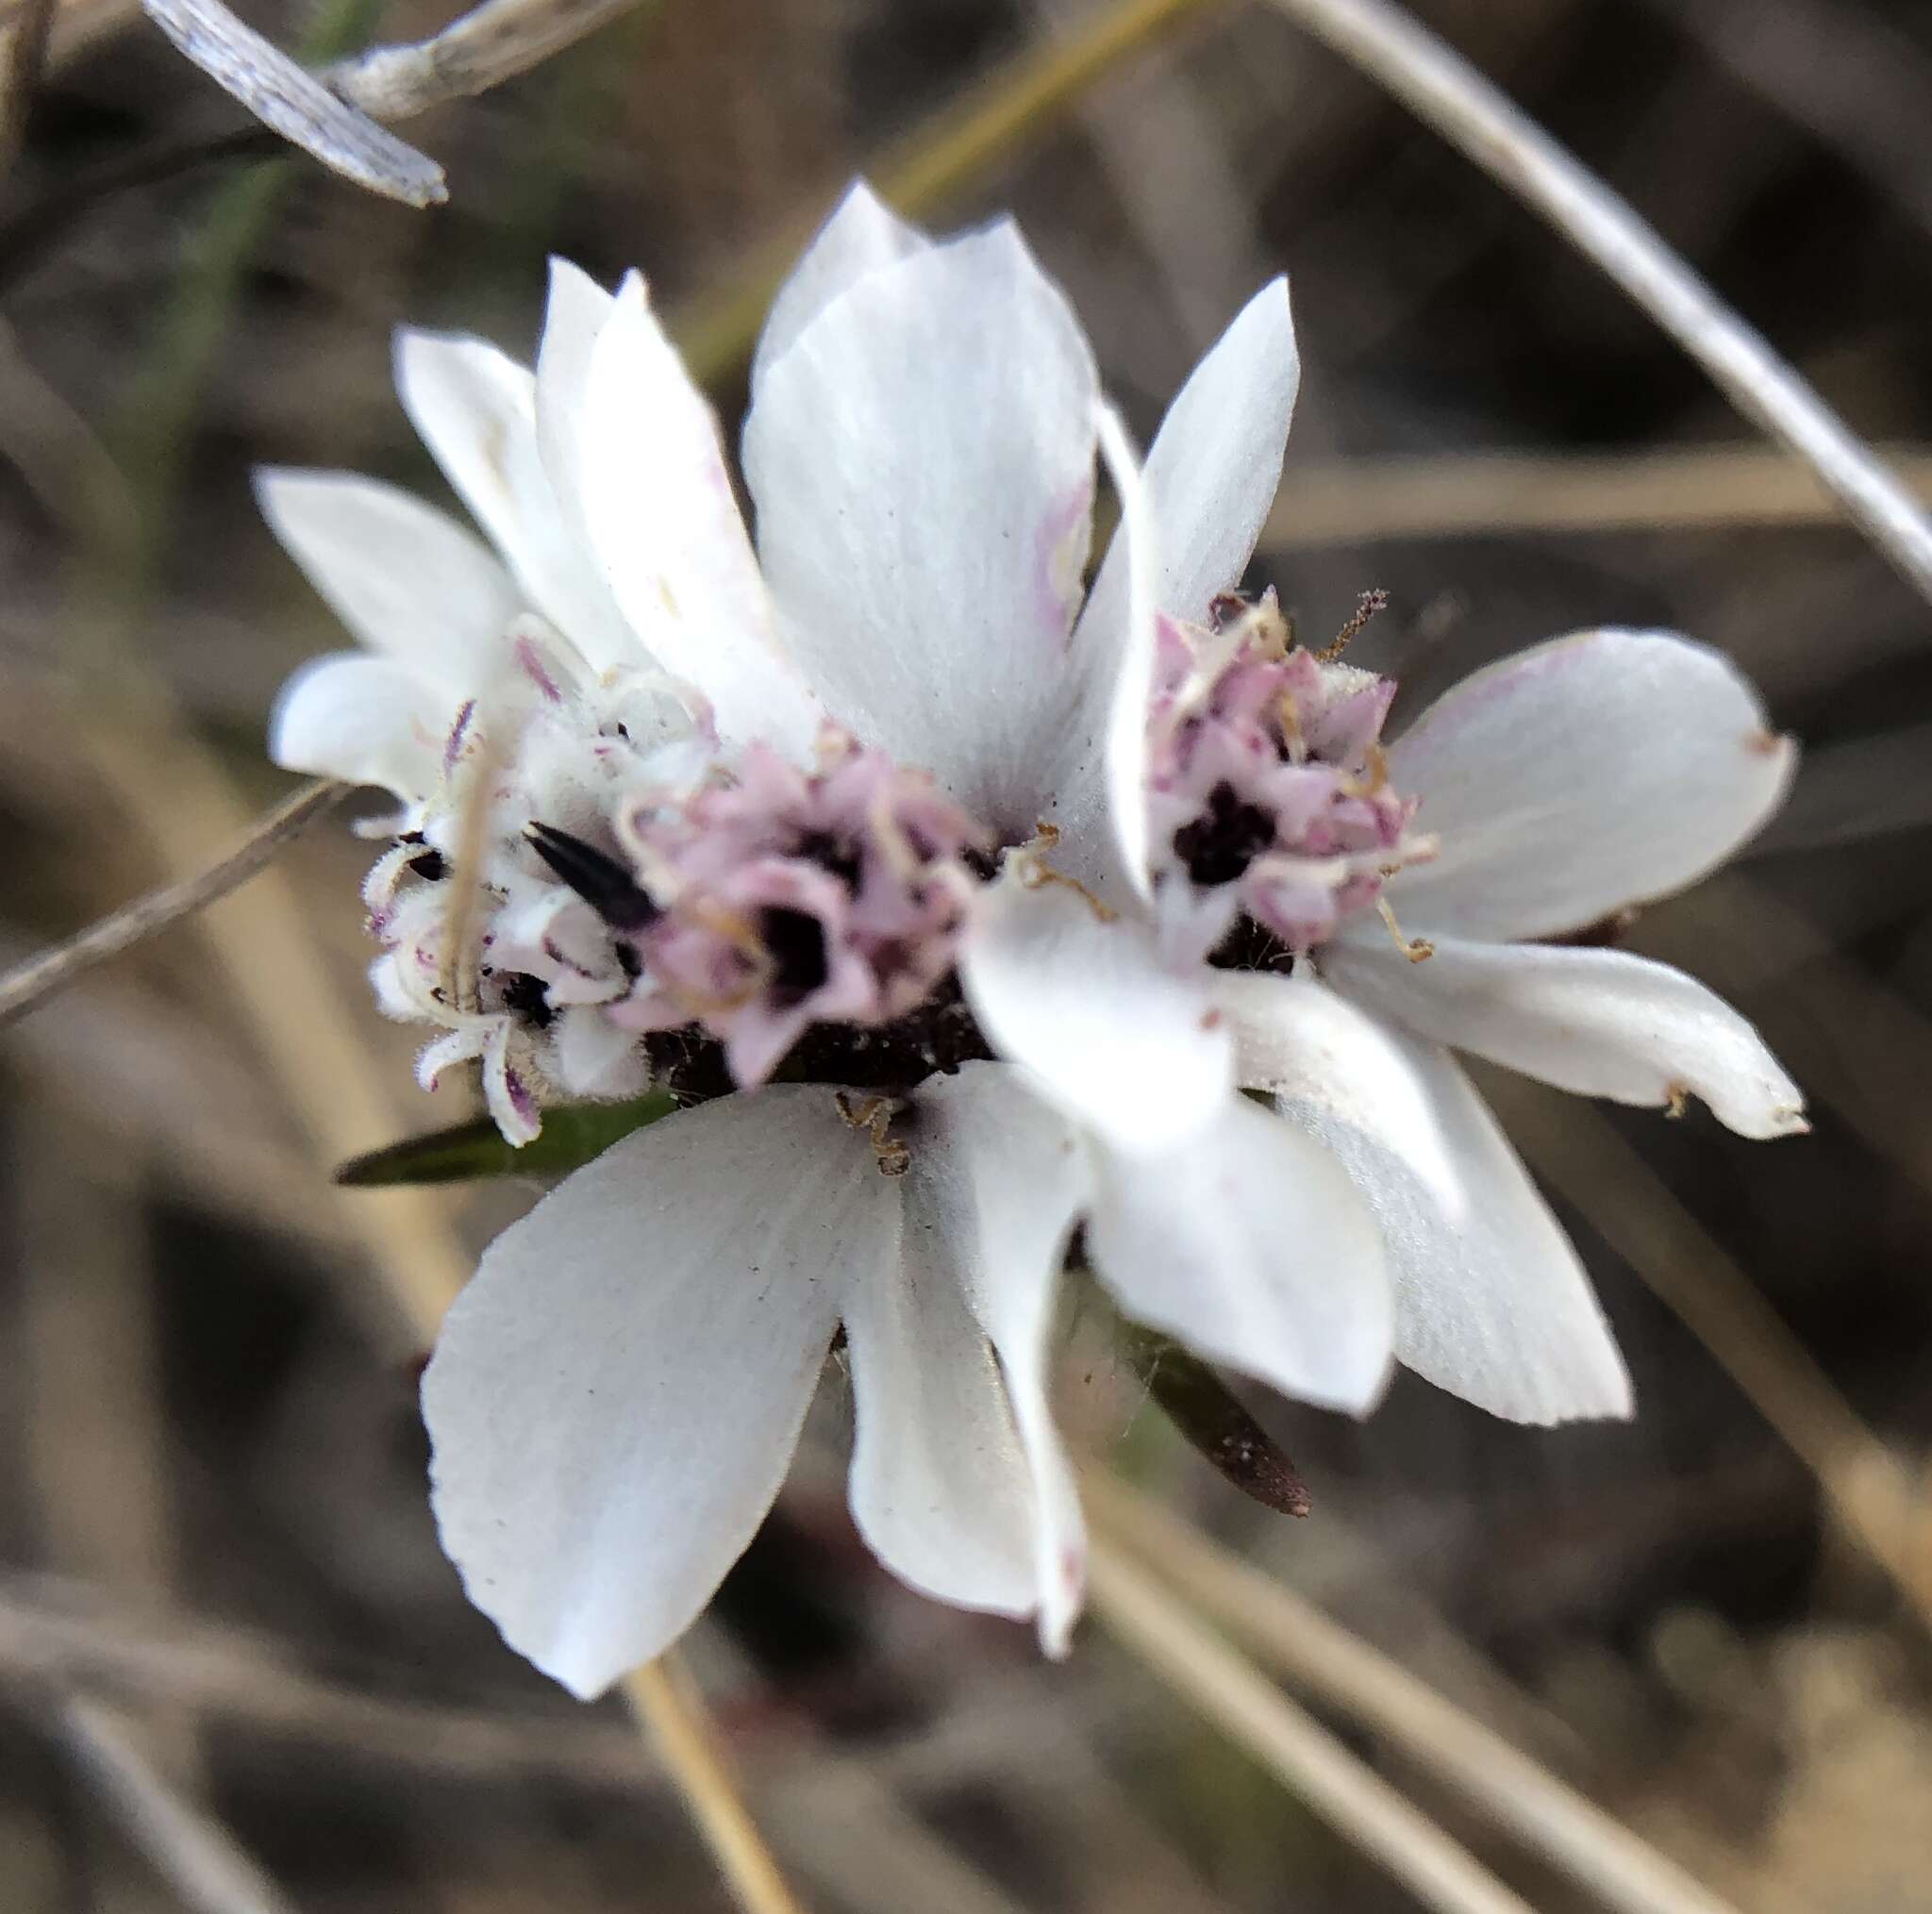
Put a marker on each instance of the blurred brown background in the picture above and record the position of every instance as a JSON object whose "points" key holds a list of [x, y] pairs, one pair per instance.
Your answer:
{"points": [[212, 1521]]}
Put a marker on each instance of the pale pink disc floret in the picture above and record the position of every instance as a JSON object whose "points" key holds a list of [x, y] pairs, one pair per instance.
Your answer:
{"points": [[1268, 793], [791, 897]]}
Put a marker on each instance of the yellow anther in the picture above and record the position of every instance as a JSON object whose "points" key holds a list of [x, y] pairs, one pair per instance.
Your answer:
{"points": [[1416, 949], [873, 1116]]}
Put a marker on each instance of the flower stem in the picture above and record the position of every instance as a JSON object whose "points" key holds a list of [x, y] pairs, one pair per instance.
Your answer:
{"points": [[667, 1704]]}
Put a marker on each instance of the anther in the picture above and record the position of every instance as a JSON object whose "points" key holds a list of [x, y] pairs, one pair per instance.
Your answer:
{"points": [[1036, 873], [598, 878], [874, 1115], [1366, 607]]}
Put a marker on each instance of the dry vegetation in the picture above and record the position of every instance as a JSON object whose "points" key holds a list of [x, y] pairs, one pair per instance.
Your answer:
{"points": [[235, 1672]]}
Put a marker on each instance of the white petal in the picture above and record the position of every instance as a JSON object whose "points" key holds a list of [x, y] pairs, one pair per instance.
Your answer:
{"points": [[940, 1488], [1249, 1244], [1187, 531], [921, 460], [1214, 466], [404, 579], [666, 527], [1579, 776], [996, 1182], [1602, 1023], [576, 312], [1490, 1300], [615, 1398], [863, 235], [365, 721], [476, 409], [595, 1058], [1112, 1036]]}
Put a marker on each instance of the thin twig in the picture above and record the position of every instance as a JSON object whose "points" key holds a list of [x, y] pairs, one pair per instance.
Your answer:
{"points": [[1232, 1693], [1442, 88], [1301, 1643], [490, 43], [194, 1854], [24, 40], [665, 1699], [1353, 501], [299, 106], [38, 978], [921, 173]]}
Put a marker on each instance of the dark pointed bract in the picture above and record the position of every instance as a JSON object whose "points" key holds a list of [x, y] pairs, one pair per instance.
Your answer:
{"points": [[598, 878]]}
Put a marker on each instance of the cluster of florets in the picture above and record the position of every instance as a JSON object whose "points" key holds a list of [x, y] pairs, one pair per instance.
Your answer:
{"points": [[479, 936], [785, 897], [1268, 801]]}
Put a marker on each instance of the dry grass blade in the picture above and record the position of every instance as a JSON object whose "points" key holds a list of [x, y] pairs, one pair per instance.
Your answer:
{"points": [[1231, 1692], [1296, 1640], [1451, 95], [198, 1857], [1350, 500], [299, 106], [490, 43], [36, 979], [1583, 1158], [665, 1699], [919, 172]]}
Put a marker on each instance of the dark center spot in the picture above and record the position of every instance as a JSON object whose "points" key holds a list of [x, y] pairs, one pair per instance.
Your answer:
{"points": [[523, 996], [431, 864], [1218, 846], [796, 940], [1251, 946], [836, 854]]}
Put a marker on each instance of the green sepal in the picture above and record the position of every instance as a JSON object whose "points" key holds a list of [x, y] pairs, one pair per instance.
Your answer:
{"points": [[572, 1135], [1206, 1412]]}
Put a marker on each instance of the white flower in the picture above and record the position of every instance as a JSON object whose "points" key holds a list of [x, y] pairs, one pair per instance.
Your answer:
{"points": [[1357, 914], [615, 1397]]}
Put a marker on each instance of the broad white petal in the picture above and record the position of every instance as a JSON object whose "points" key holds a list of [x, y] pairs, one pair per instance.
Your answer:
{"points": [[363, 720], [1490, 1300], [1602, 1023], [1248, 1241], [863, 235], [922, 461], [997, 1179], [1111, 1035], [406, 579], [1579, 776], [476, 409], [615, 1397], [666, 527], [939, 1486]]}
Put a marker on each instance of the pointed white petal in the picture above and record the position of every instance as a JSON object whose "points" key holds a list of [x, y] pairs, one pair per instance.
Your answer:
{"points": [[1581, 776], [614, 1399], [1491, 1301], [1214, 466], [666, 527], [404, 579], [863, 235], [1248, 1242], [476, 409], [1187, 531], [1602, 1023], [1111, 1035], [363, 720], [996, 1182], [921, 460], [575, 314]]}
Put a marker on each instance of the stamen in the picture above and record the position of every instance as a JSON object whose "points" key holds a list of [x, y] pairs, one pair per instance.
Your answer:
{"points": [[874, 1115], [1416, 949], [1035, 873], [1366, 607]]}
